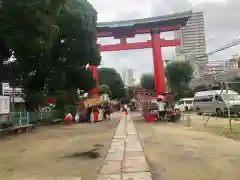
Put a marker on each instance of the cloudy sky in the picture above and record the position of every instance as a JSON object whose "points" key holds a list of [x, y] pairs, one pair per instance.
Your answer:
{"points": [[221, 18]]}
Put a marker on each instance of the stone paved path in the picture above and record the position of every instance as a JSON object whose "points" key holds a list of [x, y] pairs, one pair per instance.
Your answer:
{"points": [[125, 159]]}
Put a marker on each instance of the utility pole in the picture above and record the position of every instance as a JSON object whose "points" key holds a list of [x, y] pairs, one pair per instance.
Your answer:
{"points": [[228, 107]]}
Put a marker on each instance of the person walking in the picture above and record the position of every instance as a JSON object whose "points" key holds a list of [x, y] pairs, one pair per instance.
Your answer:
{"points": [[161, 107], [107, 110], [125, 108]]}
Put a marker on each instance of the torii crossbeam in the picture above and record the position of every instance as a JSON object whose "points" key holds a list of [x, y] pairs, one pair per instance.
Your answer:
{"points": [[127, 29]]}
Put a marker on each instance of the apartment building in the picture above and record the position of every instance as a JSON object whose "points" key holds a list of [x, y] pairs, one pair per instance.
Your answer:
{"points": [[214, 67], [233, 63], [193, 43]]}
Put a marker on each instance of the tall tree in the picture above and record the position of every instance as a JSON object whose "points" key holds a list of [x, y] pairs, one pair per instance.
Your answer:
{"points": [[103, 88], [201, 88], [112, 78], [147, 81], [52, 42], [179, 74], [75, 49]]}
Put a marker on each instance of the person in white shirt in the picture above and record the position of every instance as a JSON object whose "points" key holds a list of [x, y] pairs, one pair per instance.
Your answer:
{"points": [[125, 107], [161, 107]]}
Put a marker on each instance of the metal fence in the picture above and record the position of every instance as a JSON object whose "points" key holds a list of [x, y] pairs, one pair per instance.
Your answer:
{"points": [[25, 118]]}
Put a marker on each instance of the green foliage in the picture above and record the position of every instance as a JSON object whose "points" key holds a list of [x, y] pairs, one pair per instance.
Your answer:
{"points": [[65, 97], [103, 88], [76, 47], [236, 86], [28, 27], [201, 88], [147, 81], [188, 93], [52, 42], [179, 74], [112, 78], [35, 100]]}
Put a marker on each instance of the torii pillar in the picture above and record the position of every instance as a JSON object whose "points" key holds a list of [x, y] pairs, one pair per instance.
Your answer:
{"points": [[95, 76], [159, 77]]}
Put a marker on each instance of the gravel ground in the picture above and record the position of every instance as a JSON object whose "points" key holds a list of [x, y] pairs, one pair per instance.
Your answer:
{"points": [[175, 152], [46, 153]]}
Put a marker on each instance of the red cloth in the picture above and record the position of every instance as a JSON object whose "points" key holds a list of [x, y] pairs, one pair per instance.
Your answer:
{"points": [[95, 116], [150, 118], [68, 118]]}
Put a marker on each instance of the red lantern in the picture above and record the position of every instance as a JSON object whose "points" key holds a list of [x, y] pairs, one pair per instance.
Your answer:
{"points": [[50, 100], [68, 118]]}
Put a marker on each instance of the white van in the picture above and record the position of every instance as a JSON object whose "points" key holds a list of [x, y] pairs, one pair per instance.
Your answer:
{"points": [[184, 104], [215, 102]]}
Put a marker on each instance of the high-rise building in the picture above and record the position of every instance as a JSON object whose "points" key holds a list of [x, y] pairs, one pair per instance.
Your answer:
{"points": [[193, 43], [128, 78]]}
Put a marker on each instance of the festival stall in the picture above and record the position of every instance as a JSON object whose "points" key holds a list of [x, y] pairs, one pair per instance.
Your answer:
{"points": [[89, 110]]}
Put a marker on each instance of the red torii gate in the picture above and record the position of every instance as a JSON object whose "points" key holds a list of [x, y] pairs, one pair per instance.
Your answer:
{"points": [[155, 25]]}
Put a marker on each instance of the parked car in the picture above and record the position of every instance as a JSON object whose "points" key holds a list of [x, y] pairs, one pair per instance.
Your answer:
{"points": [[184, 104], [217, 102]]}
